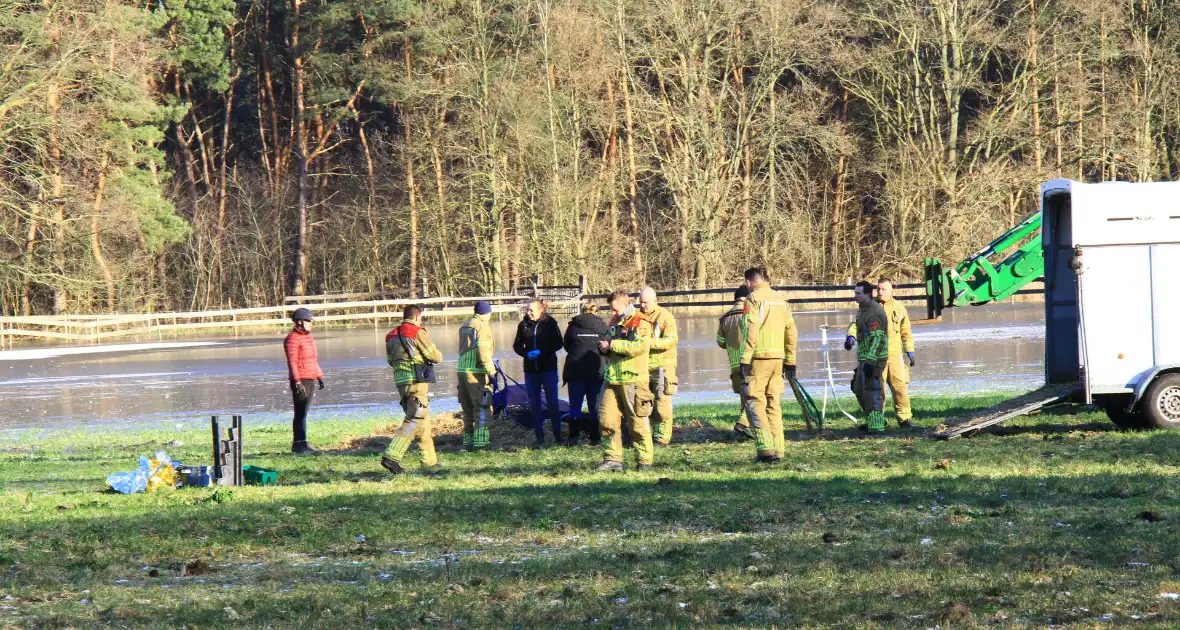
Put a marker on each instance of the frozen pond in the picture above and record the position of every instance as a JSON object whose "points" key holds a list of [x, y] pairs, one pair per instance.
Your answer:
{"points": [[973, 350]]}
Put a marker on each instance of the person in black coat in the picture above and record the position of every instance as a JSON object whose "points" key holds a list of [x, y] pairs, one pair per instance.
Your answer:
{"points": [[584, 366], [538, 338]]}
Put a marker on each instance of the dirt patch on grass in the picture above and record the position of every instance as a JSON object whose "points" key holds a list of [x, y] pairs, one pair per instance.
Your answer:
{"points": [[507, 435]]}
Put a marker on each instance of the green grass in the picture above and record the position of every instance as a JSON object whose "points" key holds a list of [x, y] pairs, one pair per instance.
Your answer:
{"points": [[1039, 526]]}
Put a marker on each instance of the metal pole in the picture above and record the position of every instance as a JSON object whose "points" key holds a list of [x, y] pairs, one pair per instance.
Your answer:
{"points": [[216, 449]]}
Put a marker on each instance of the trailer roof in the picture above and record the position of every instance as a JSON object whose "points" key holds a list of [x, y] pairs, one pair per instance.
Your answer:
{"points": [[1120, 213]]}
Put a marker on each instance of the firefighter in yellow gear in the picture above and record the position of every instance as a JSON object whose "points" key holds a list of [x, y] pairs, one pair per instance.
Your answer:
{"points": [[476, 368], [626, 401], [731, 336], [409, 352], [661, 363], [768, 355], [872, 352], [901, 340]]}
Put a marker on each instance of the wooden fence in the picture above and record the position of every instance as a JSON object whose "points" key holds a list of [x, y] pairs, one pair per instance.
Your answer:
{"points": [[351, 307], [100, 327]]}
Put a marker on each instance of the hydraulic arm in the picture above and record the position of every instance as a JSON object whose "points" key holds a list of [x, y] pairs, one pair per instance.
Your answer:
{"points": [[979, 280]]}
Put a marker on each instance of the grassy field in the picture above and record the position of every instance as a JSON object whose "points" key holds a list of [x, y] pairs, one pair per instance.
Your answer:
{"points": [[1058, 521]]}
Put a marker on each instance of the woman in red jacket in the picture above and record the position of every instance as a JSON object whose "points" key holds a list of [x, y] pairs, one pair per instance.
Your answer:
{"points": [[303, 370]]}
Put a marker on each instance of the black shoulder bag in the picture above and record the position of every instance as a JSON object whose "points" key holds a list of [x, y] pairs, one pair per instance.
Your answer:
{"points": [[424, 371]]}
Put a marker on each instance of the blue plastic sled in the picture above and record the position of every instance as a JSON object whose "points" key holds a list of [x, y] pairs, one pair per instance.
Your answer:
{"points": [[511, 398]]}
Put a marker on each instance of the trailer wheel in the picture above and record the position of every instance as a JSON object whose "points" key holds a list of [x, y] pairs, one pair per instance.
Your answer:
{"points": [[1116, 409], [1161, 402]]}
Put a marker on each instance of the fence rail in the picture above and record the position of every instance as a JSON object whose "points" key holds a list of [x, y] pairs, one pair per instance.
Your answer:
{"points": [[565, 299], [100, 327]]}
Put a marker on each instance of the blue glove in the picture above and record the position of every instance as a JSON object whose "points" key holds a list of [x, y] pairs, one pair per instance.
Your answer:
{"points": [[533, 354], [848, 341], [911, 356]]}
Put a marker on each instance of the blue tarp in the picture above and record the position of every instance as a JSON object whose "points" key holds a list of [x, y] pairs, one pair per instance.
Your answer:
{"points": [[511, 398]]}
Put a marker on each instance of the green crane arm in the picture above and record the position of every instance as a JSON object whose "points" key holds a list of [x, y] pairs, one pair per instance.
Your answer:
{"points": [[978, 280]]}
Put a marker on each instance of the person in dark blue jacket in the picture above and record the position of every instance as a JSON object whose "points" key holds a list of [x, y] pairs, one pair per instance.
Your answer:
{"points": [[538, 338], [583, 371]]}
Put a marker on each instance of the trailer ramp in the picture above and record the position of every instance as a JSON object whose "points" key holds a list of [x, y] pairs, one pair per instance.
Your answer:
{"points": [[1019, 406]]}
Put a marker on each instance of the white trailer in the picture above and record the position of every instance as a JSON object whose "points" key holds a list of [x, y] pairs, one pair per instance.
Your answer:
{"points": [[1112, 311]]}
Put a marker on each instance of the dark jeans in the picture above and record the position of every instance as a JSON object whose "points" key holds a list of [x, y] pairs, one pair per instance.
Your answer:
{"points": [[302, 404], [534, 384], [588, 391]]}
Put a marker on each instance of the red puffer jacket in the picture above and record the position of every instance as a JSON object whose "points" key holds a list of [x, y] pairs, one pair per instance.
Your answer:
{"points": [[302, 359]]}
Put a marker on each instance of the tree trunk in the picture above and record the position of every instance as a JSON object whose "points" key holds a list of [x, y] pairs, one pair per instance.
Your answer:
{"points": [[222, 174], [1081, 109], [299, 268], [411, 186], [441, 193], [1146, 147], [1059, 116], [26, 289], [60, 298], [1105, 156], [633, 190], [377, 275], [95, 235], [838, 201], [1034, 85]]}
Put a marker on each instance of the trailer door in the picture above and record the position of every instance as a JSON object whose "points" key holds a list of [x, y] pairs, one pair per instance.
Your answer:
{"points": [[1062, 358], [1116, 307], [1165, 303]]}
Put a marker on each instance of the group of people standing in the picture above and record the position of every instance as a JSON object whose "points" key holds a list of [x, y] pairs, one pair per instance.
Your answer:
{"points": [[624, 369]]}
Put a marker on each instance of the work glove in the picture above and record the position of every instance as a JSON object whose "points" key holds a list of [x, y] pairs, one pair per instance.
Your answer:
{"points": [[868, 370], [911, 356], [485, 399], [297, 387], [320, 382], [848, 341], [789, 372], [533, 354]]}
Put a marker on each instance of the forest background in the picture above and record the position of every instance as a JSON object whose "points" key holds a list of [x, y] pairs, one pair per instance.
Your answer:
{"points": [[188, 154]]}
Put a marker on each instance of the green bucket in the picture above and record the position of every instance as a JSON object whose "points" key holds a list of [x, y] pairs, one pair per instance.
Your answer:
{"points": [[259, 476]]}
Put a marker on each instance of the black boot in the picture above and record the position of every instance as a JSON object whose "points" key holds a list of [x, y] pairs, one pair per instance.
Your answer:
{"points": [[302, 448], [391, 465], [574, 429]]}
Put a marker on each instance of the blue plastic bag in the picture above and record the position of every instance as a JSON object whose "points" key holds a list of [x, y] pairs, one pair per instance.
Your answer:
{"points": [[132, 482]]}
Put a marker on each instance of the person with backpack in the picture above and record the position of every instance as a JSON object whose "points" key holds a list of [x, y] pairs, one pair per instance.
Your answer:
{"points": [[412, 355], [538, 338], [583, 371], [304, 375]]}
